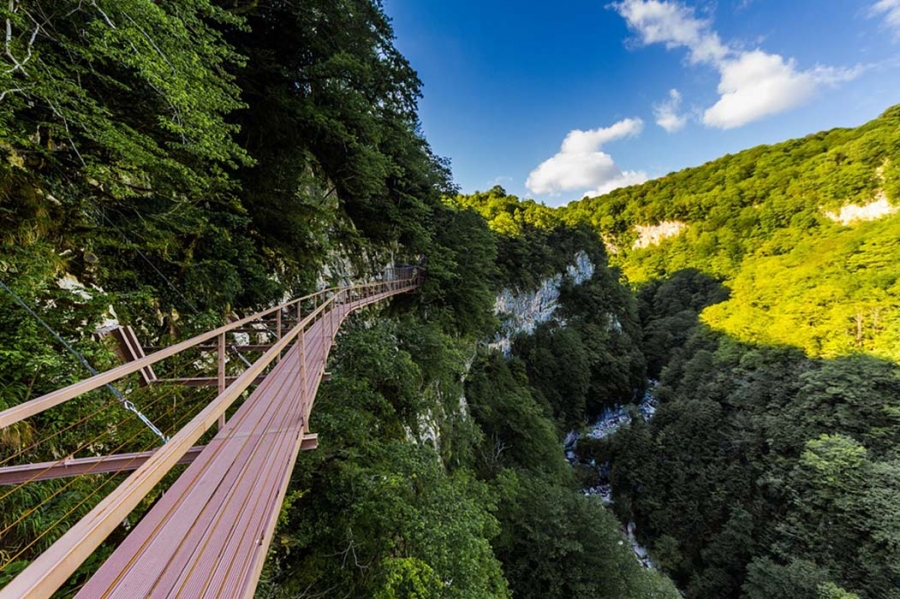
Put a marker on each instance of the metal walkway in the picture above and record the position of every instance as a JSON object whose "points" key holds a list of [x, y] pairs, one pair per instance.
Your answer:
{"points": [[209, 534]]}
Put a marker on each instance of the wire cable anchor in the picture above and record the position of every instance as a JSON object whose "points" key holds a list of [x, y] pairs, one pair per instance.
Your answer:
{"points": [[127, 404]]}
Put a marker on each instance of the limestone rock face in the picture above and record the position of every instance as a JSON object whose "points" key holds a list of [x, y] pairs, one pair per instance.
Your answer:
{"points": [[851, 213], [521, 312], [653, 234], [343, 267], [337, 270], [82, 293]]}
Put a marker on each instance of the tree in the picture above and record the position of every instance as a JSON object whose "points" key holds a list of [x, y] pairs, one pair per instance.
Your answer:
{"points": [[123, 97], [558, 544]]}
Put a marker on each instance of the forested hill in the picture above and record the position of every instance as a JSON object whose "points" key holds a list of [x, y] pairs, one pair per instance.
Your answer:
{"points": [[170, 165], [802, 231], [768, 301], [769, 292]]}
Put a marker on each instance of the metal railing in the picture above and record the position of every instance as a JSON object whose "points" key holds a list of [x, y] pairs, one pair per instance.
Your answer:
{"points": [[286, 322]]}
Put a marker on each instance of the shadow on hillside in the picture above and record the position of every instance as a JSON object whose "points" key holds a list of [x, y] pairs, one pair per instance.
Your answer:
{"points": [[670, 310], [733, 483]]}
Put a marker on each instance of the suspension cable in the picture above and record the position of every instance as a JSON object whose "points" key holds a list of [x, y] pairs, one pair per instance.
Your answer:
{"points": [[175, 425], [47, 437], [127, 404], [68, 484], [85, 444], [72, 481]]}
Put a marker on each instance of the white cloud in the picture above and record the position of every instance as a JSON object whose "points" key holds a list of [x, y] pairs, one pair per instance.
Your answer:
{"points": [[579, 141], [890, 9], [581, 165], [675, 26], [666, 113], [754, 84]]}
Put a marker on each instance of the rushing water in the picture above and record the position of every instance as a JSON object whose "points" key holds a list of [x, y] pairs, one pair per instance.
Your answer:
{"points": [[607, 424]]}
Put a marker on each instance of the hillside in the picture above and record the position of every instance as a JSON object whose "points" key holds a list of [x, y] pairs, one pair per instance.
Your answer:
{"points": [[767, 300], [170, 166], [804, 232], [771, 318]]}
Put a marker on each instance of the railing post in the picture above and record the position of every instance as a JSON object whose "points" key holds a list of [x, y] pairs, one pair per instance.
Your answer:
{"points": [[278, 332], [221, 374], [303, 380], [331, 314]]}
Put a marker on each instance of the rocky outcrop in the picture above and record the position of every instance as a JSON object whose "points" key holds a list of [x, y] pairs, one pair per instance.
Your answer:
{"points": [[521, 312], [653, 234], [342, 267], [878, 208], [82, 294]]}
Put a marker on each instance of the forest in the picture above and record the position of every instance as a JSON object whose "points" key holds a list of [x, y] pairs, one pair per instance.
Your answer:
{"points": [[770, 323], [187, 162], [771, 468]]}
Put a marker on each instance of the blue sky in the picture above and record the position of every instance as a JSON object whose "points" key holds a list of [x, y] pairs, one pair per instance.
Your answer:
{"points": [[558, 100]]}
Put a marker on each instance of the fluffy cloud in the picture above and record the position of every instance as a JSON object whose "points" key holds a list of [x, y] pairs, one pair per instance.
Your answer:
{"points": [[675, 26], [754, 84], [890, 10], [581, 165], [666, 113]]}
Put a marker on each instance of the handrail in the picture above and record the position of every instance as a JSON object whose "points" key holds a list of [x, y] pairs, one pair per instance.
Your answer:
{"points": [[51, 569], [45, 402]]}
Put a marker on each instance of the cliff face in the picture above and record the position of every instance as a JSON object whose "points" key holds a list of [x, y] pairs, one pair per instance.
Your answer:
{"points": [[649, 235], [342, 266], [522, 311]]}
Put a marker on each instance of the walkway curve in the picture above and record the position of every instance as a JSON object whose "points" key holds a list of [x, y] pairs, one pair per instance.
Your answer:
{"points": [[209, 534]]}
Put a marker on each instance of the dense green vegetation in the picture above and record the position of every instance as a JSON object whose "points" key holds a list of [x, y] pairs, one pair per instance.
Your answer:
{"points": [[593, 361], [750, 476], [194, 160], [760, 220], [770, 469], [495, 425], [188, 161], [413, 495]]}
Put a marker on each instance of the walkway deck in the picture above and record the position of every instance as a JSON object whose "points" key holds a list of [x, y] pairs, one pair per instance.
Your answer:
{"points": [[209, 534]]}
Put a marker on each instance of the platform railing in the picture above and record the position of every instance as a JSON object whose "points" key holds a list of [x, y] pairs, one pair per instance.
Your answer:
{"points": [[52, 568]]}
